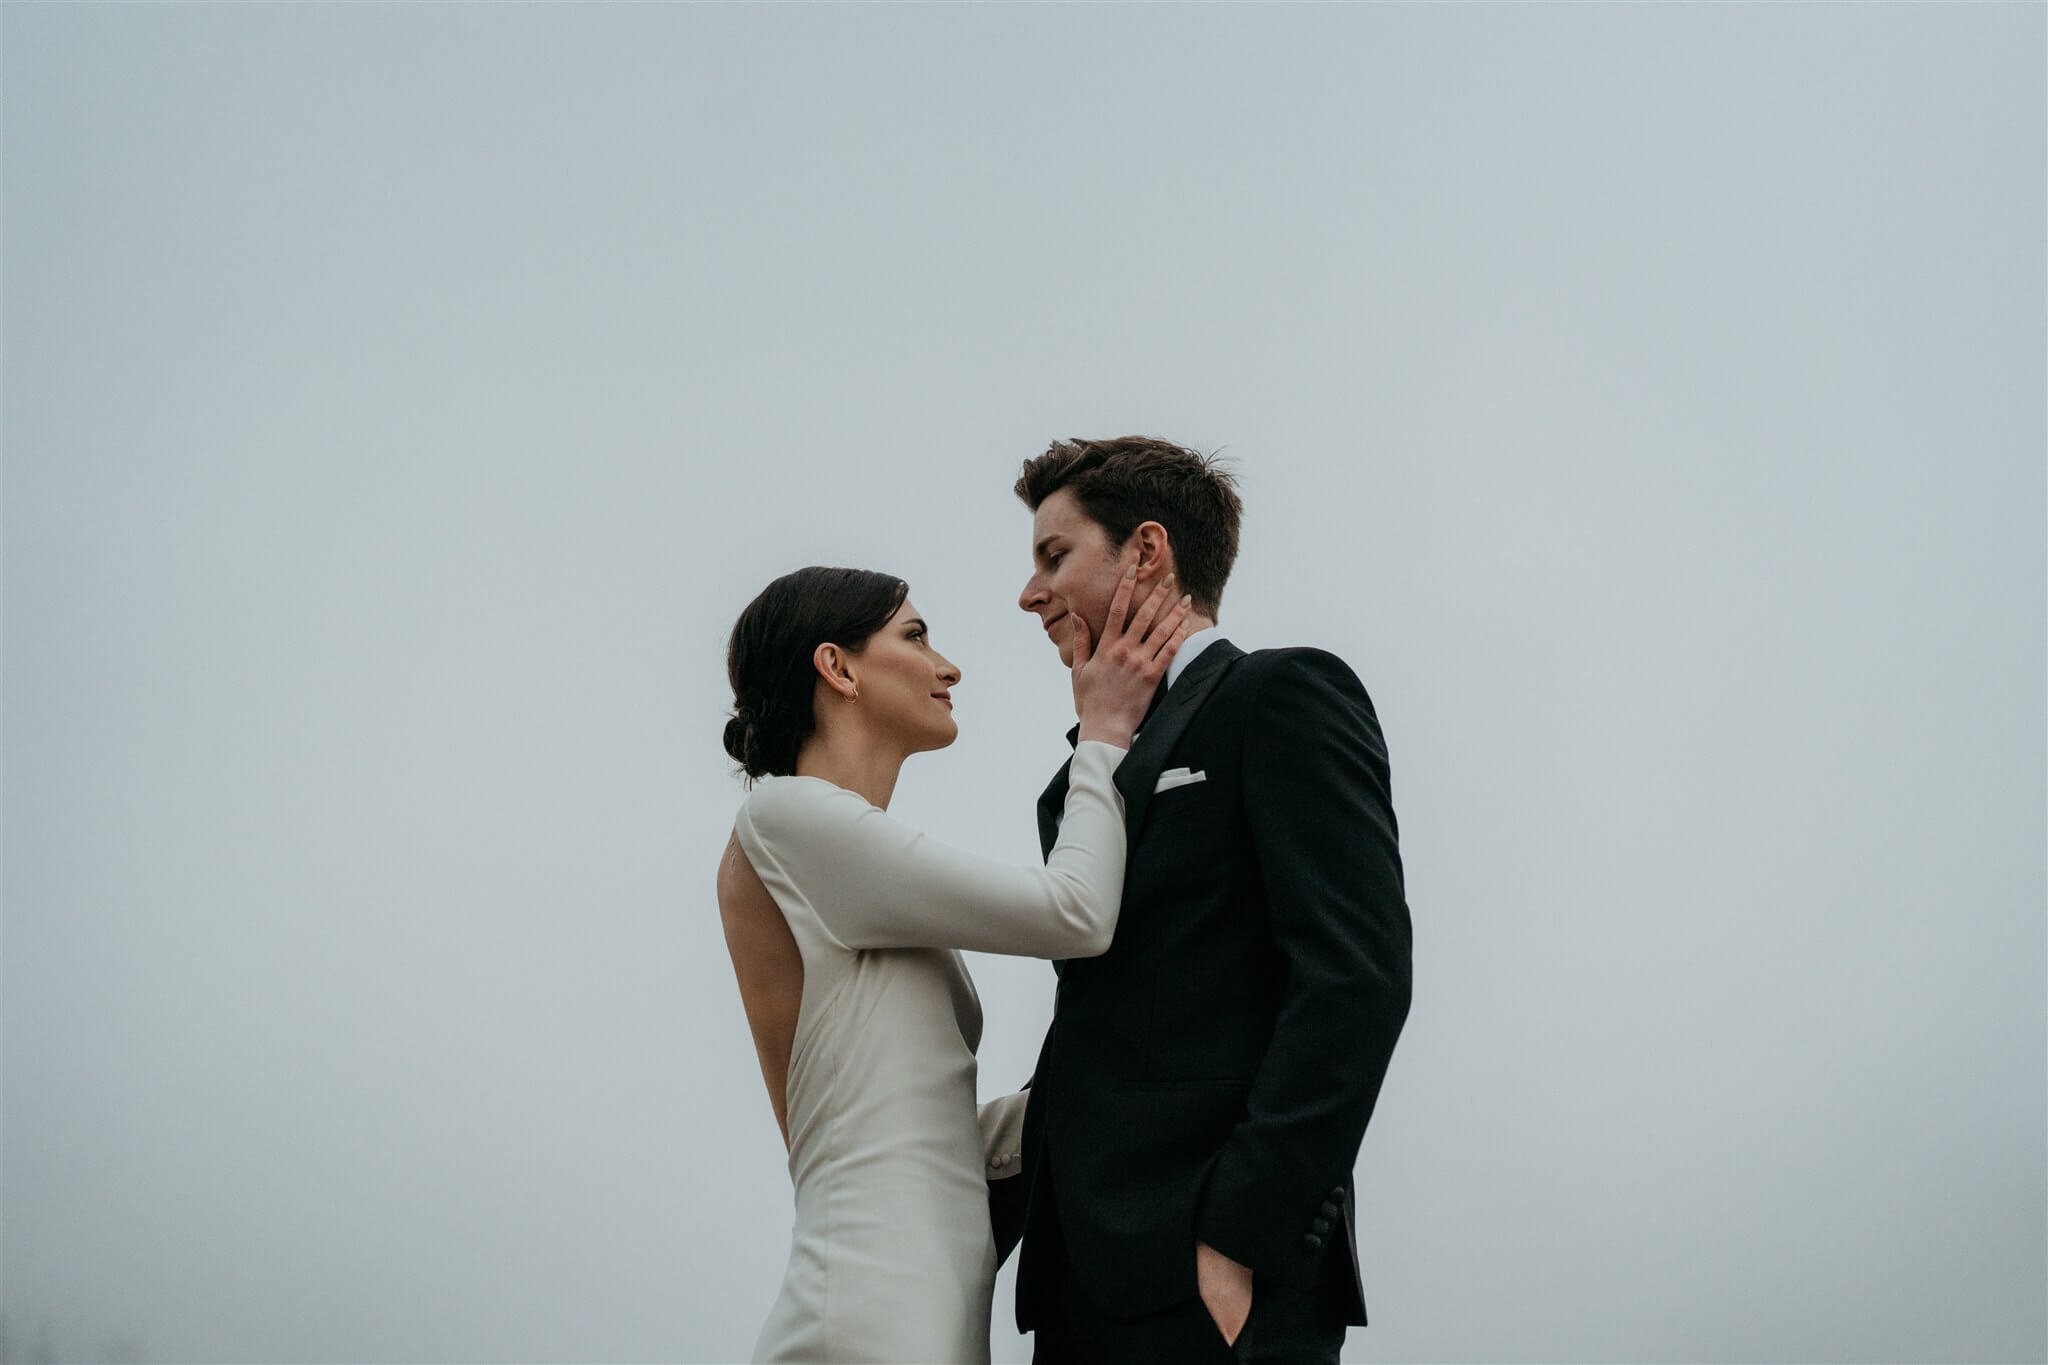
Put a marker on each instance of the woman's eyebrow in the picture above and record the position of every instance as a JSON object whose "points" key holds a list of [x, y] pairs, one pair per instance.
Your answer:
{"points": [[917, 621]]}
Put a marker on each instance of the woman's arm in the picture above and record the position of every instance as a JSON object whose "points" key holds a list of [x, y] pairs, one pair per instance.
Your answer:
{"points": [[874, 882]]}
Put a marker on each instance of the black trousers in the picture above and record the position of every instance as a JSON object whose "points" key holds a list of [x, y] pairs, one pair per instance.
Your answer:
{"points": [[1287, 1326]]}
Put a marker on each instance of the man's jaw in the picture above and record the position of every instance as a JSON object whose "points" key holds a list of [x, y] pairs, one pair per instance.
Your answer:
{"points": [[1062, 637]]}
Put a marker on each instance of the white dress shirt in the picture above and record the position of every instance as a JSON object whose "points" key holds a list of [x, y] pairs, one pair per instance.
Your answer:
{"points": [[1189, 648]]}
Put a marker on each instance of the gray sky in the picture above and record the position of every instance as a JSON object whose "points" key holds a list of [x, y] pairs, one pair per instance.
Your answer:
{"points": [[401, 402]]}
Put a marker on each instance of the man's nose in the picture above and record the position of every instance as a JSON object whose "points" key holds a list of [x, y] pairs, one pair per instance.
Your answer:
{"points": [[1032, 594]]}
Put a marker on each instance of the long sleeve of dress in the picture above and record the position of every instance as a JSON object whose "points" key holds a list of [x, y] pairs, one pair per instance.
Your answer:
{"points": [[874, 882], [1002, 1134]]}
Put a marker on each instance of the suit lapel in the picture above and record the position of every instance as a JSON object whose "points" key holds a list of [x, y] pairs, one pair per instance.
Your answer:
{"points": [[1053, 800], [1140, 768], [1164, 724]]}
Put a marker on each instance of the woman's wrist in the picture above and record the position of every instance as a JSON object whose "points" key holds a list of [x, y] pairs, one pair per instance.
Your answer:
{"points": [[1107, 732]]}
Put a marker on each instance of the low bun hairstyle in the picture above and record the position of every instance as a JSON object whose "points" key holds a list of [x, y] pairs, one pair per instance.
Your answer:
{"points": [[768, 659]]}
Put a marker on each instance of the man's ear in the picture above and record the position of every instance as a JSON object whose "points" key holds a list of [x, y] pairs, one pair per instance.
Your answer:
{"points": [[831, 663], [1155, 549]]}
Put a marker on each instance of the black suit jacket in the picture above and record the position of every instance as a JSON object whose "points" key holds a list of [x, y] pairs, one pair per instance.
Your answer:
{"points": [[1210, 1077]]}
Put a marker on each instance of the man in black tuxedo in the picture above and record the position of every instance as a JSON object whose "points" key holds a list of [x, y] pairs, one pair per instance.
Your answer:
{"points": [[1202, 1092]]}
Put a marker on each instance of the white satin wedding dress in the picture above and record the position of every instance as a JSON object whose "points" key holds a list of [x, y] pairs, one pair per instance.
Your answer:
{"points": [[891, 1258]]}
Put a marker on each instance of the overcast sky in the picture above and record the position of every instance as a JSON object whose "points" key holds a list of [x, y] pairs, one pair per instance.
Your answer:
{"points": [[402, 401]]}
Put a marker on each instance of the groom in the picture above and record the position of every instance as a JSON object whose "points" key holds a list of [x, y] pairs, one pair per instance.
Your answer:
{"points": [[1201, 1095]]}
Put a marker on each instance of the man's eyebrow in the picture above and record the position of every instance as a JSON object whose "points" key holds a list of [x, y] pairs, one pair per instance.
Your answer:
{"points": [[1038, 550]]}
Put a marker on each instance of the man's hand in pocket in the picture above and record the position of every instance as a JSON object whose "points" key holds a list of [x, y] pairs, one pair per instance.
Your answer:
{"points": [[1226, 1289]]}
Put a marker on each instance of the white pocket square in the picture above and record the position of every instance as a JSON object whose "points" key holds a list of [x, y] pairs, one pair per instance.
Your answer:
{"points": [[1177, 777]]}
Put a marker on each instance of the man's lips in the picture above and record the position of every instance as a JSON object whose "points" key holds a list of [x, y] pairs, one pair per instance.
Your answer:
{"points": [[1055, 621]]}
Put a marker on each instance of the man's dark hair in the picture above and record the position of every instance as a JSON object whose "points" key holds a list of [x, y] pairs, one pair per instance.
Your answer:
{"points": [[1130, 480]]}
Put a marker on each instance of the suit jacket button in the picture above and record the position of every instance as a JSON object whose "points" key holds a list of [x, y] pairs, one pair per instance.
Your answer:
{"points": [[1331, 1211], [1312, 1242]]}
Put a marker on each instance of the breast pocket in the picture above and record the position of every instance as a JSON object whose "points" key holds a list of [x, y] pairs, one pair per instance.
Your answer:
{"points": [[1190, 821]]}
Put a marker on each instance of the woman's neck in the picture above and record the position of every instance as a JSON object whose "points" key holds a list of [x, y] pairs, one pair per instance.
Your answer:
{"points": [[847, 758]]}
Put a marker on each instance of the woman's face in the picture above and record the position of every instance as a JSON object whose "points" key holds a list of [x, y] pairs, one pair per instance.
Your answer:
{"points": [[904, 683]]}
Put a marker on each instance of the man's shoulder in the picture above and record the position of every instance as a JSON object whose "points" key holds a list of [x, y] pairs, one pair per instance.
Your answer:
{"points": [[1267, 684], [1293, 663], [1292, 656]]}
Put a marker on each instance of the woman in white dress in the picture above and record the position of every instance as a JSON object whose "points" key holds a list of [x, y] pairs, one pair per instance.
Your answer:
{"points": [[844, 927]]}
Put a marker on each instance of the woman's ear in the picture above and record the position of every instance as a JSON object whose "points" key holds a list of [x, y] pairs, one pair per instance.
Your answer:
{"points": [[832, 664]]}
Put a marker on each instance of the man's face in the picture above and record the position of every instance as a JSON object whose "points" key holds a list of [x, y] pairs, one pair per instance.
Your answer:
{"points": [[1074, 571]]}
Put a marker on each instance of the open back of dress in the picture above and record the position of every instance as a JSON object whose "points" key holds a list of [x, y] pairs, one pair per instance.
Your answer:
{"points": [[769, 968]]}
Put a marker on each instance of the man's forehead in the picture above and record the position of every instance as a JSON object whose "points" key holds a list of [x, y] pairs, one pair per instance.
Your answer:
{"points": [[1058, 515]]}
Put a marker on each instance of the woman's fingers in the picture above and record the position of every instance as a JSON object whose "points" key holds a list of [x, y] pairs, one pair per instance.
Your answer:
{"points": [[1173, 629], [1120, 606], [1154, 600], [1083, 647]]}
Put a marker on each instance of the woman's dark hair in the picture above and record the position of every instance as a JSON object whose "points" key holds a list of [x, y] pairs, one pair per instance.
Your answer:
{"points": [[768, 659]]}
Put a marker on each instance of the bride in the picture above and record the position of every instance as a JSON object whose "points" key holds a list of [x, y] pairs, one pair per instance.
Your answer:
{"points": [[844, 927]]}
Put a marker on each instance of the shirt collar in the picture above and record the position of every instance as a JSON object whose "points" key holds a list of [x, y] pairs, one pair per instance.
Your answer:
{"points": [[1189, 648]]}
